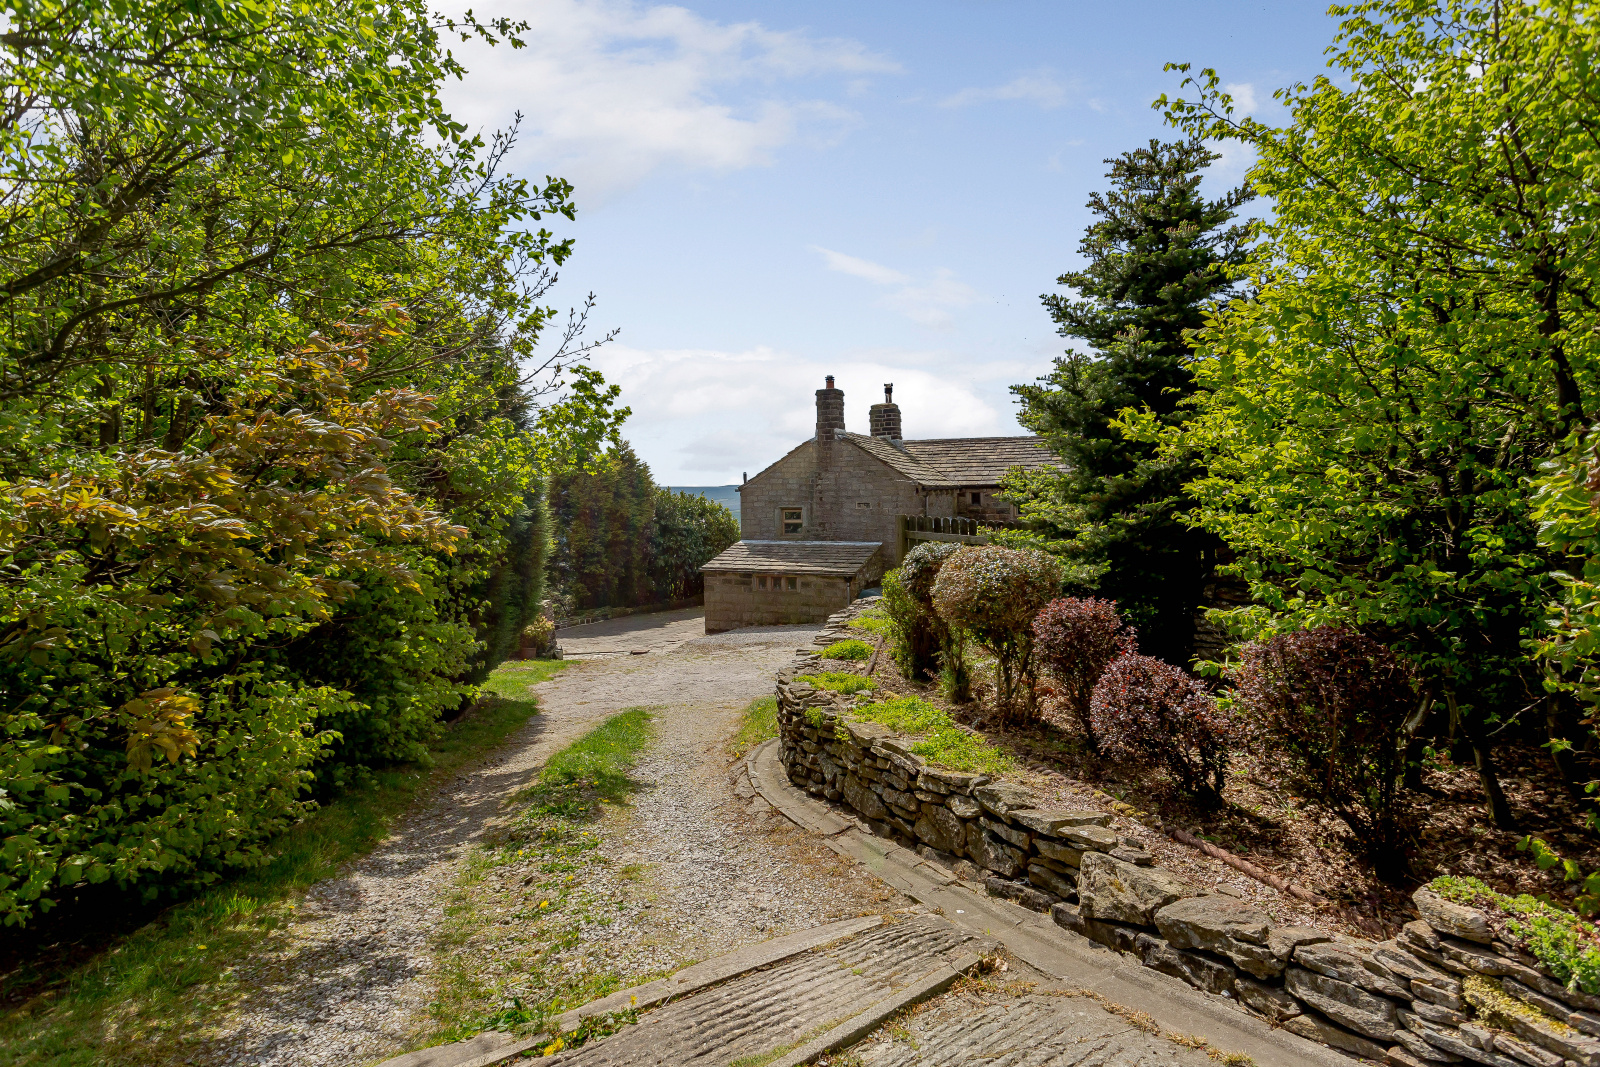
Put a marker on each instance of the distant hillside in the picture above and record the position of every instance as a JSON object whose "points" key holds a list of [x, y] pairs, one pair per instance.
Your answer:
{"points": [[726, 495]]}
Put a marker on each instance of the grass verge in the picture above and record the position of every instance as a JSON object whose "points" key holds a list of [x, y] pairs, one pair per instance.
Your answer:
{"points": [[510, 948], [150, 996], [759, 723]]}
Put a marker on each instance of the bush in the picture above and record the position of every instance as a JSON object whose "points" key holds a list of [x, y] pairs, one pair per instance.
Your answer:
{"points": [[922, 641], [1076, 639], [539, 633], [1155, 713], [993, 595], [838, 681], [849, 648], [1330, 702]]}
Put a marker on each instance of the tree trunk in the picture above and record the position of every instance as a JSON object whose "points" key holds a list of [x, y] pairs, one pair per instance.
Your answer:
{"points": [[1566, 763], [1499, 809], [1410, 765]]}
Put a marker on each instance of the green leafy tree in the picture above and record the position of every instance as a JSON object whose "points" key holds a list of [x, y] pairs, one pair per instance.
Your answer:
{"points": [[1423, 336], [271, 401], [1161, 256]]}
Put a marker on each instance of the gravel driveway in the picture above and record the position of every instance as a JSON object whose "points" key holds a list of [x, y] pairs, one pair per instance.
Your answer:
{"points": [[693, 869]]}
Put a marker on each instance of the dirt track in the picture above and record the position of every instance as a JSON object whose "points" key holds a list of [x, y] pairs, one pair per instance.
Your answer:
{"points": [[708, 870]]}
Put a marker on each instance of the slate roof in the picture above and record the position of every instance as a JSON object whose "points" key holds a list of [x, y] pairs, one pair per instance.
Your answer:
{"points": [[909, 465], [840, 558], [979, 460]]}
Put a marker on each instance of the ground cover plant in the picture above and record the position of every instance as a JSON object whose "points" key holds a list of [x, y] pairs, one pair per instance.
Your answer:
{"points": [[519, 978], [143, 988], [939, 739], [848, 649], [838, 681]]}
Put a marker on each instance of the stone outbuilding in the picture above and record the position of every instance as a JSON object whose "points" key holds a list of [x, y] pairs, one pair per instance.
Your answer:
{"points": [[772, 583], [842, 486]]}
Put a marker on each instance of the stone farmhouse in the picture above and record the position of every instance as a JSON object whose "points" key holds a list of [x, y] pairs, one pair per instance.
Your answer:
{"points": [[874, 492]]}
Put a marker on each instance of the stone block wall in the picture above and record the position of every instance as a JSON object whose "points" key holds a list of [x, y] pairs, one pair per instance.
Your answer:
{"points": [[735, 600], [1447, 990]]}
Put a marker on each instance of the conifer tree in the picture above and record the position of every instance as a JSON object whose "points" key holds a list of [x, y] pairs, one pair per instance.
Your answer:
{"points": [[1161, 258]]}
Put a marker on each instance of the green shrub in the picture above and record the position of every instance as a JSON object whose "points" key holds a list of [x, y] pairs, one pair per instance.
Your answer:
{"points": [[839, 681], [941, 742], [849, 648], [1568, 947], [993, 594], [923, 644]]}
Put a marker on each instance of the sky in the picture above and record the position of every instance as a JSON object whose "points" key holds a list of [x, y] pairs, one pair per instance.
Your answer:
{"points": [[770, 193]]}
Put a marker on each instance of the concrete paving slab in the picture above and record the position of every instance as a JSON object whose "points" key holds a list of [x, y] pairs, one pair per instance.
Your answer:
{"points": [[1038, 941]]}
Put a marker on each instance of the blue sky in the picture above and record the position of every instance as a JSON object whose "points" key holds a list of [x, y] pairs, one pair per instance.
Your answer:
{"points": [[769, 193]]}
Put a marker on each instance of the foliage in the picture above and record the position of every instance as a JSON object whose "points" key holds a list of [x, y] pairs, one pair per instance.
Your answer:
{"points": [[838, 682], [1422, 337], [149, 994], [1587, 895], [873, 621], [849, 648], [1076, 640], [622, 541], [922, 640], [689, 530], [1154, 713], [1160, 258], [266, 473], [941, 742], [993, 595], [539, 633], [1332, 703], [1564, 944]]}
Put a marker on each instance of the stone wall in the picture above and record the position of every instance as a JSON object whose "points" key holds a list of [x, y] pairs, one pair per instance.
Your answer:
{"points": [[734, 600], [1445, 991]]}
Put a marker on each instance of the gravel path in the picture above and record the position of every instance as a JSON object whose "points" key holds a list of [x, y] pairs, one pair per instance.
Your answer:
{"points": [[694, 868]]}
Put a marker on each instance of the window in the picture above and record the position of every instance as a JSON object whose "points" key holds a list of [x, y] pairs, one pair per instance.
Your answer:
{"points": [[762, 581], [793, 520], [863, 505], [977, 498], [792, 584]]}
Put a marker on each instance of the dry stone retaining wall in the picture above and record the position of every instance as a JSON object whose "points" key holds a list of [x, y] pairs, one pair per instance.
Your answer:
{"points": [[1445, 991]]}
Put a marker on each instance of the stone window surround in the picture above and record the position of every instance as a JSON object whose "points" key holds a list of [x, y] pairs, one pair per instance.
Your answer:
{"points": [[780, 583], [784, 520]]}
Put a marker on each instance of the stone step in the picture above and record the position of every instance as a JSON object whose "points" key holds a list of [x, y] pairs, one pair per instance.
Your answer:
{"points": [[780, 1007]]}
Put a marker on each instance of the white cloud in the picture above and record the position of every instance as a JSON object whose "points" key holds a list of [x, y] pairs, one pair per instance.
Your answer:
{"points": [[1244, 97], [612, 90], [861, 268], [1040, 87], [708, 413], [928, 304]]}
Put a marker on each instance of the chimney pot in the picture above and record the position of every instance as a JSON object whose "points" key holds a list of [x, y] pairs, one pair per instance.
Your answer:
{"points": [[888, 392], [829, 382]]}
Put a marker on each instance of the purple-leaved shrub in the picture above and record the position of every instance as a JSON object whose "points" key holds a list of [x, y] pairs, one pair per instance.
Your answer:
{"points": [[1155, 713]]}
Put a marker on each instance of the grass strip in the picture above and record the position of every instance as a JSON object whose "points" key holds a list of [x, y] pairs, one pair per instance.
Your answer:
{"points": [[508, 950], [759, 723], [150, 996]]}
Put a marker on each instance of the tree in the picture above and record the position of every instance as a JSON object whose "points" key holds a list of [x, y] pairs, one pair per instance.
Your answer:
{"points": [[270, 395], [1423, 336], [1160, 258]]}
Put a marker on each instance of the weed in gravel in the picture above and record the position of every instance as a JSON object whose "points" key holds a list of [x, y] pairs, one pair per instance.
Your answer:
{"points": [[760, 723], [516, 964]]}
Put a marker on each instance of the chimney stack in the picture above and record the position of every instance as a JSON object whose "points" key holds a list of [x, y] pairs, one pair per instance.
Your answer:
{"points": [[886, 416], [830, 411]]}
